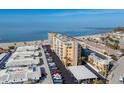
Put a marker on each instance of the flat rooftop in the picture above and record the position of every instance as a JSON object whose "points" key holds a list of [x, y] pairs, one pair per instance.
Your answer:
{"points": [[81, 72], [16, 74], [26, 48], [23, 61], [64, 37], [24, 56], [105, 61], [28, 53]]}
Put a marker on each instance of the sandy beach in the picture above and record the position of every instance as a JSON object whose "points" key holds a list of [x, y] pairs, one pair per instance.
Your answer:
{"points": [[95, 35], [23, 43], [17, 44]]}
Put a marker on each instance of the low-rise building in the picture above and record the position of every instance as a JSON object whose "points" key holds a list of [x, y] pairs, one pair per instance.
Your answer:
{"points": [[24, 66], [22, 62], [20, 75], [24, 56], [96, 46], [25, 53], [100, 62], [82, 74], [26, 48]]}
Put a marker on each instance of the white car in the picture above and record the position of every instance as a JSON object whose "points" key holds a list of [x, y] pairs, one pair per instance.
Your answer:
{"points": [[50, 59], [121, 79], [52, 64], [57, 76]]}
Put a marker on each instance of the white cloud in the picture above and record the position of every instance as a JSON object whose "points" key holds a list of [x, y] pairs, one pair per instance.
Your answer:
{"points": [[87, 12]]}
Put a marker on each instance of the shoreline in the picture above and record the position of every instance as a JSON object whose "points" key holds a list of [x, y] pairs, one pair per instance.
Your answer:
{"points": [[22, 43], [42, 39], [100, 34]]}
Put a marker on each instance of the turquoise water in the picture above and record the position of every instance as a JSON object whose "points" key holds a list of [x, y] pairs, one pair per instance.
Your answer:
{"points": [[29, 33]]}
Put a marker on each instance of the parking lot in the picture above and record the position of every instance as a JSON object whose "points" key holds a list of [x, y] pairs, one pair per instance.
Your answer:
{"points": [[54, 70], [58, 71]]}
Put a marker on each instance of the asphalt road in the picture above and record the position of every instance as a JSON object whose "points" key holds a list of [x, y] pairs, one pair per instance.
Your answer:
{"points": [[67, 77]]}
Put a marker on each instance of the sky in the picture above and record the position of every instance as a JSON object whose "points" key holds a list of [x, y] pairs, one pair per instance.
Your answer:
{"points": [[62, 17], [17, 25]]}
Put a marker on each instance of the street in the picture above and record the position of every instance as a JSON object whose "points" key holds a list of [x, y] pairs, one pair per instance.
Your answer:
{"points": [[67, 77]]}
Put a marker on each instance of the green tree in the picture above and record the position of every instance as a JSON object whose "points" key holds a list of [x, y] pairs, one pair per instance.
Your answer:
{"points": [[11, 47], [119, 29], [122, 50], [114, 57], [98, 82]]}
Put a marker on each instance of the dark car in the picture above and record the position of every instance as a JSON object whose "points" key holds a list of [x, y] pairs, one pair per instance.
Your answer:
{"points": [[55, 71], [43, 72], [58, 81], [54, 68]]}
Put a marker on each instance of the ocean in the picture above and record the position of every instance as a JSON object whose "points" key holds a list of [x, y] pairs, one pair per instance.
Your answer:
{"points": [[30, 33]]}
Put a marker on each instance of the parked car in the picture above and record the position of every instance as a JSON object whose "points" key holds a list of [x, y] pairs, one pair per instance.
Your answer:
{"points": [[47, 53], [55, 71], [56, 76], [52, 64], [50, 59], [54, 68], [58, 81], [43, 72]]}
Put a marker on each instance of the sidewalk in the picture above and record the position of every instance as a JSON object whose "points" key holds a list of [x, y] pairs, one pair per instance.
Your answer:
{"points": [[48, 79]]}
